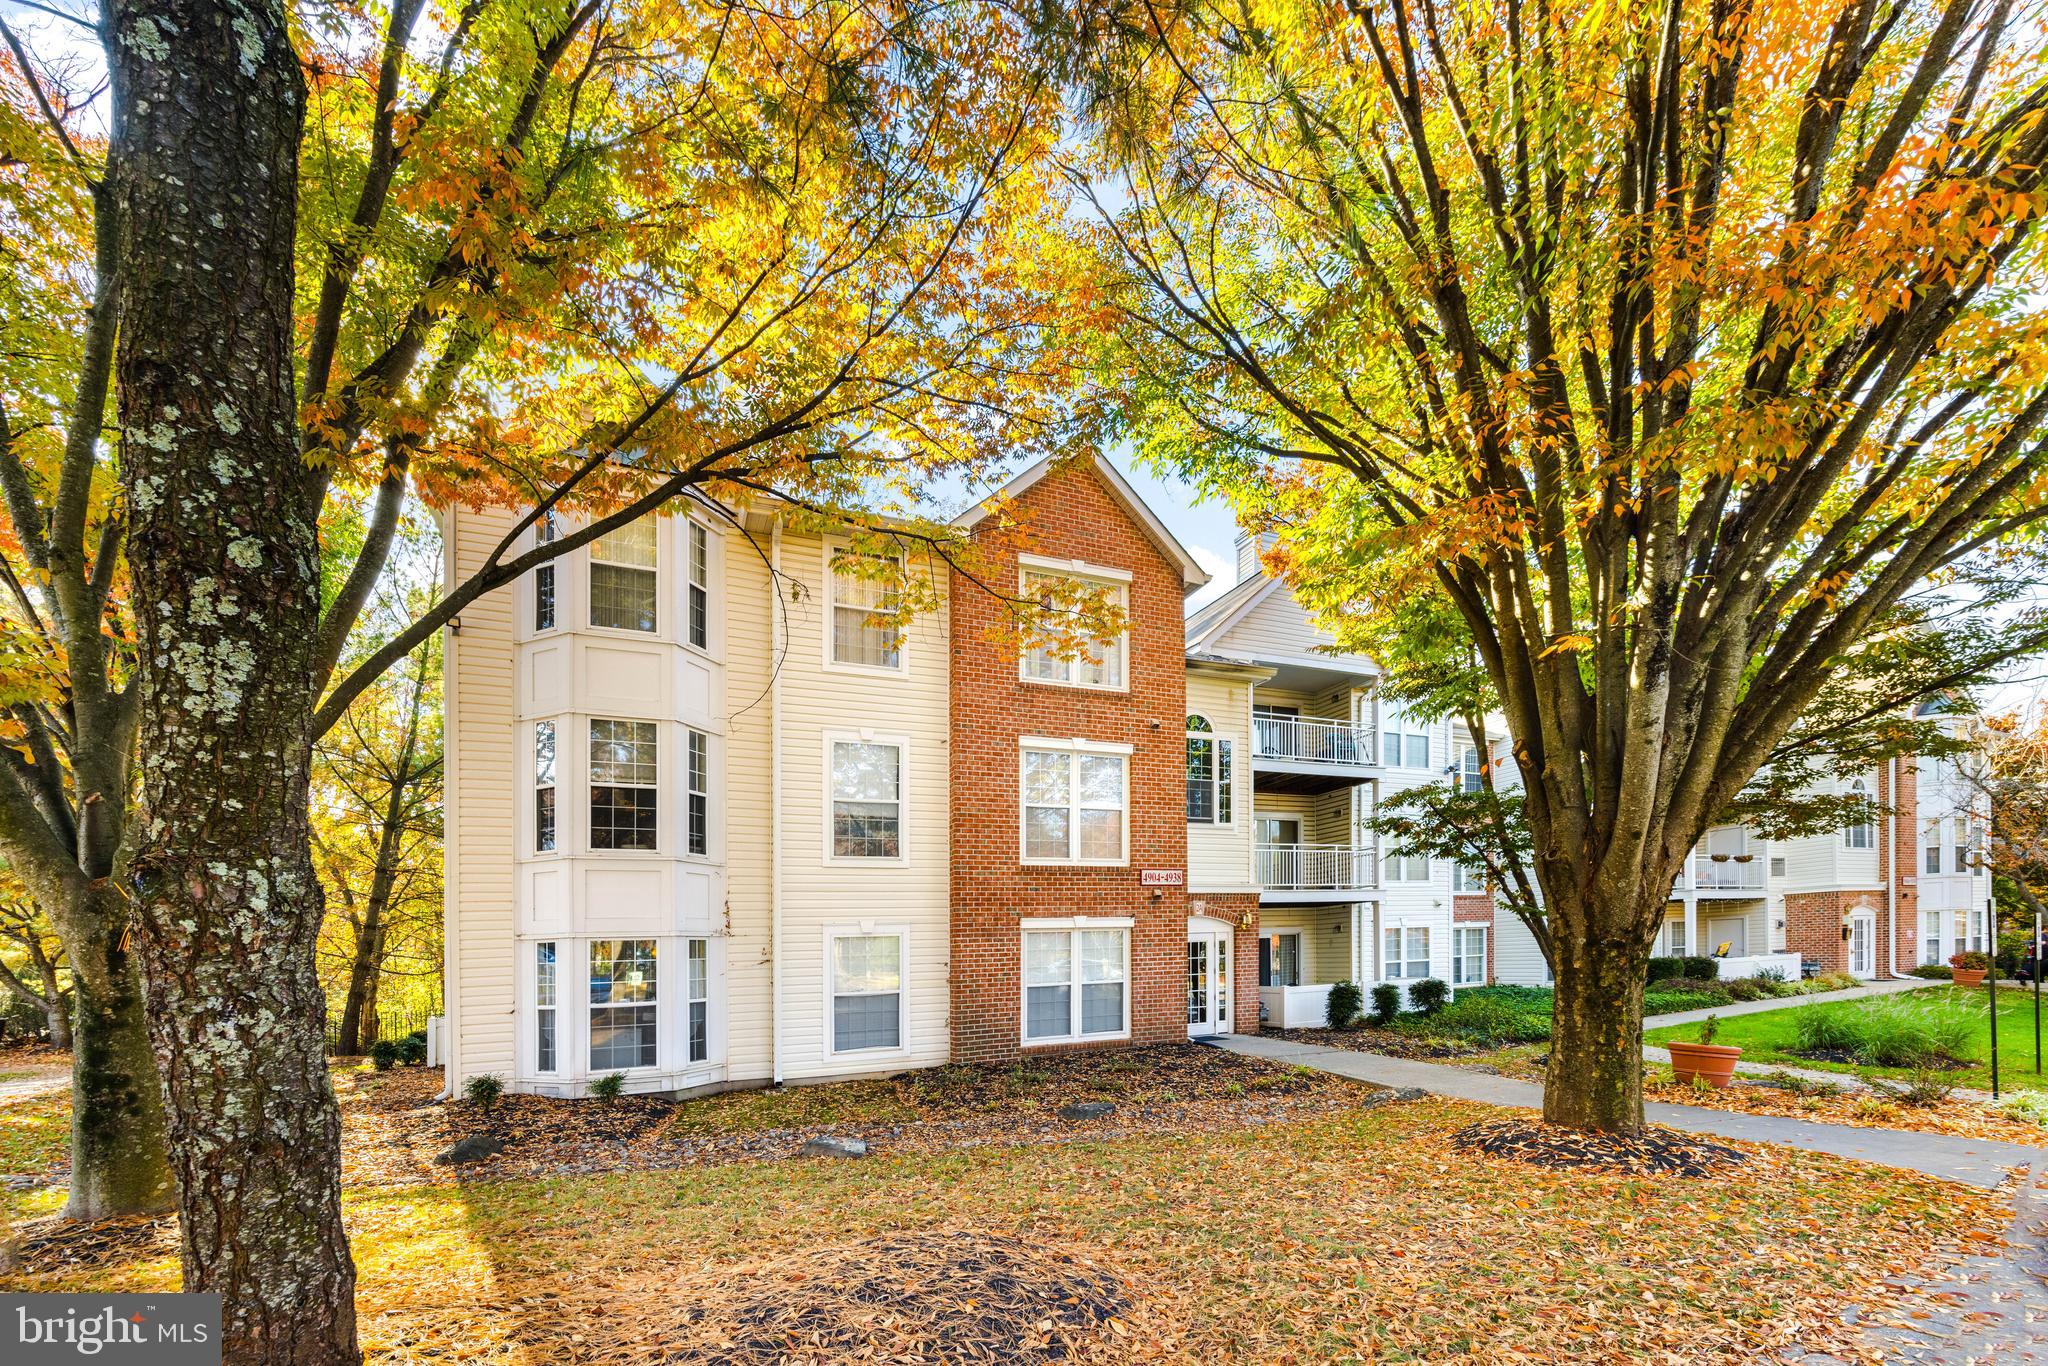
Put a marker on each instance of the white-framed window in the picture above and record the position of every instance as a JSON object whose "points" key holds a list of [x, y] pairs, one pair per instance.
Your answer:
{"points": [[865, 779], [1075, 802], [543, 787], [1931, 857], [625, 796], [1076, 983], [1467, 879], [1778, 865], [544, 533], [1405, 949], [1860, 834], [864, 979], [697, 623], [1280, 958], [1979, 930], [1209, 774], [1468, 955], [697, 993], [544, 1036], [1404, 743], [1674, 937], [863, 599], [697, 793], [1933, 943], [1407, 867], [1966, 846], [623, 1004], [623, 581], [1092, 663], [1471, 769]]}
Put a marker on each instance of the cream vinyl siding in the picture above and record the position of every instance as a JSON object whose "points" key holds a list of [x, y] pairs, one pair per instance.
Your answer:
{"points": [[911, 895], [483, 782], [1278, 629], [1220, 856], [1325, 938], [1516, 959]]}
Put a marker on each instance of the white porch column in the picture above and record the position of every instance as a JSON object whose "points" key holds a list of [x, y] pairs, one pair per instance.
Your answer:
{"points": [[1692, 923], [1362, 947]]}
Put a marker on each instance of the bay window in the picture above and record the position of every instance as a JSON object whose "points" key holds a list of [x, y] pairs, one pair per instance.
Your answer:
{"points": [[544, 1007], [697, 793], [1862, 832], [543, 787], [1932, 860], [1076, 984], [1209, 766], [698, 624], [867, 799], [1406, 952], [1405, 743], [1065, 658], [623, 1004], [864, 600], [866, 988], [544, 533], [697, 992], [622, 577], [1074, 801], [1407, 867], [624, 795]]}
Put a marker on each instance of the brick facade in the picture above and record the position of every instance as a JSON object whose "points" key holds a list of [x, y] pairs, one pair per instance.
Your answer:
{"points": [[1476, 908], [1070, 515], [1814, 920]]}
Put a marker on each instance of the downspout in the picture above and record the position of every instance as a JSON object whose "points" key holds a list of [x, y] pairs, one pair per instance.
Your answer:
{"points": [[451, 858], [1891, 867], [775, 814]]}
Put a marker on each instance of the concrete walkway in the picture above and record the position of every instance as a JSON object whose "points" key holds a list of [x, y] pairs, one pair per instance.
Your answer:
{"points": [[1971, 1161], [1734, 1008]]}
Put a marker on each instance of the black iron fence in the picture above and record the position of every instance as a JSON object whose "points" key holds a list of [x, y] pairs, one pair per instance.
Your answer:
{"points": [[388, 1024]]}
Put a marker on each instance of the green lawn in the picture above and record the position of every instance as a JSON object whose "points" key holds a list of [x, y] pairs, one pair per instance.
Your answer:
{"points": [[1773, 1036]]}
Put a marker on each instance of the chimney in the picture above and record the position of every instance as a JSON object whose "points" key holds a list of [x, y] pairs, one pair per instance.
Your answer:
{"points": [[1248, 548]]}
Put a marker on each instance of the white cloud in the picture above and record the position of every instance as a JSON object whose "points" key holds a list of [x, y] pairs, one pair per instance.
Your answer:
{"points": [[1222, 576]]}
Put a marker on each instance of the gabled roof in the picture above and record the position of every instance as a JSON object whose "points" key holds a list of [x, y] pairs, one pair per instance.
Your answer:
{"points": [[1219, 616], [1192, 575]]}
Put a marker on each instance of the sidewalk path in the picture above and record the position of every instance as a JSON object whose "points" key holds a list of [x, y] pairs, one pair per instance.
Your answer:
{"points": [[1972, 1161], [39, 1081], [1734, 1008]]}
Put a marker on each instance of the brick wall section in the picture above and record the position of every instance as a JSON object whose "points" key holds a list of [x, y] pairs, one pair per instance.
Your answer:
{"points": [[1813, 926], [1813, 920], [1070, 515], [1477, 908], [1240, 909]]}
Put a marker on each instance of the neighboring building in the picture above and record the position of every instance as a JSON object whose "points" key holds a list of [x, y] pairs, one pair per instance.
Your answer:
{"points": [[1903, 889]]}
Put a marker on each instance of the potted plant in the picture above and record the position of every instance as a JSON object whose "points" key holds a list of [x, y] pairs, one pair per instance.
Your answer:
{"points": [[1713, 1062], [1969, 968]]}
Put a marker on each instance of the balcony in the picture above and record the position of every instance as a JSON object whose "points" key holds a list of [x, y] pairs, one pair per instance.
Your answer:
{"points": [[1726, 874], [1310, 754], [1316, 869]]}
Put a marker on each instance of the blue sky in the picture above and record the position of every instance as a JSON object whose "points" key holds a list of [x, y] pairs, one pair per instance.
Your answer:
{"points": [[1205, 528]]}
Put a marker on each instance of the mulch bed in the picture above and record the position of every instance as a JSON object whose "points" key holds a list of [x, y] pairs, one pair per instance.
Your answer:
{"points": [[1393, 1043], [1848, 1059], [930, 1295], [1653, 1152], [391, 1130], [1958, 1115], [53, 1244]]}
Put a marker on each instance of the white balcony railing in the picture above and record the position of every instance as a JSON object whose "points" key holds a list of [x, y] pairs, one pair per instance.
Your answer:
{"points": [[1317, 867], [1308, 740], [1733, 872]]}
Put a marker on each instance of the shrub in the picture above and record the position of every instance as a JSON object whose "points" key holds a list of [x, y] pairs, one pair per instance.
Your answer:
{"points": [[609, 1087], [383, 1053], [1490, 1020], [1891, 1033], [412, 1049], [1710, 1028], [1386, 1003], [2031, 1106], [1924, 1088], [1747, 989], [1699, 968], [1429, 995], [1970, 961], [483, 1090], [1683, 989], [1345, 1003], [1774, 976], [1933, 972], [1664, 969], [1836, 981]]}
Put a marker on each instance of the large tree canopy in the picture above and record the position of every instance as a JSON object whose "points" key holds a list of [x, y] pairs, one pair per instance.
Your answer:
{"points": [[1691, 353]]}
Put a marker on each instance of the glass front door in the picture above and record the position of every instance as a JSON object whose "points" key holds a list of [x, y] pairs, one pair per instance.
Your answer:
{"points": [[1863, 946], [1208, 983]]}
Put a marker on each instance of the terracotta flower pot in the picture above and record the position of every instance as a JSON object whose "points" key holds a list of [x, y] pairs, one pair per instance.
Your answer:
{"points": [[1968, 977], [1714, 1061]]}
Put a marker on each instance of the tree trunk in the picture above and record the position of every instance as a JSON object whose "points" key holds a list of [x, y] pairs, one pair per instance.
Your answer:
{"points": [[118, 1163], [1595, 1077], [224, 554], [56, 1010], [359, 1011]]}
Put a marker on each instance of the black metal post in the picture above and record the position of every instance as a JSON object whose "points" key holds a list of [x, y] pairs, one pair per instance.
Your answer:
{"points": [[2034, 973]]}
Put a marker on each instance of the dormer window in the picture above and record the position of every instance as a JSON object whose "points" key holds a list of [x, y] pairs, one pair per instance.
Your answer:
{"points": [[623, 588]]}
